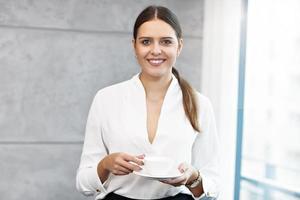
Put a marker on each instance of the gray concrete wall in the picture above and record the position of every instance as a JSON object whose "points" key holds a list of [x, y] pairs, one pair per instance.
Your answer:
{"points": [[54, 56]]}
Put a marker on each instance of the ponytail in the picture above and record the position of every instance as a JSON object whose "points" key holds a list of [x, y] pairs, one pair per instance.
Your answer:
{"points": [[189, 101]]}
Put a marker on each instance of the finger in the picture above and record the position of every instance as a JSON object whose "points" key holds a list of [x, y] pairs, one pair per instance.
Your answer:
{"points": [[120, 173], [139, 159], [142, 156], [180, 179], [169, 182], [182, 167], [178, 185], [130, 166], [123, 169], [133, 159], [165, 181], [117, 168]]}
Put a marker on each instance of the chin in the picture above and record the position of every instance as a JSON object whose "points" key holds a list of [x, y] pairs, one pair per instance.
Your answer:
{"points": [[157, 73]]}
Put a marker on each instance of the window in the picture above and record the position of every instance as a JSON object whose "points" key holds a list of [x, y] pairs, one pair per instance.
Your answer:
{"points": [[270, 133]]}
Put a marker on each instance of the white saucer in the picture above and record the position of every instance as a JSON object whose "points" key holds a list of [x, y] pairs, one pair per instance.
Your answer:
{"points": [[158, 177]]}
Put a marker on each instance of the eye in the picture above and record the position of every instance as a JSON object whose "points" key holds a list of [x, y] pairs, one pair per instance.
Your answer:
{"points": [[145, 42], [166, 42]]}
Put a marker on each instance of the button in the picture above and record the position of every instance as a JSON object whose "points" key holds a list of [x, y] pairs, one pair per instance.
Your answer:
{"points": [[211, 194]]}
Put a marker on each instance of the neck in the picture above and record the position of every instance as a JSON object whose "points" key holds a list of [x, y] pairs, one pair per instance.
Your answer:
{"points": [[155, 88]]}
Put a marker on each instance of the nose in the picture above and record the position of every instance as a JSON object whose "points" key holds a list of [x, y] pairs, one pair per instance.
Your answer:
{"points": [[156, 50]]}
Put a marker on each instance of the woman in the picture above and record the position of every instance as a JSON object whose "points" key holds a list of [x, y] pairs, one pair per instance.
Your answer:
{"points": [[154, 113]]}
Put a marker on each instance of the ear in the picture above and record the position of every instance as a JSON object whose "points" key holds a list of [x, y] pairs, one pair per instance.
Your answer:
{"points": [[180, 45], [133, 45]]}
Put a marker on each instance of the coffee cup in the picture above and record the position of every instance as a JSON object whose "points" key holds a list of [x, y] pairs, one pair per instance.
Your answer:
{"points": [[158, 165]]}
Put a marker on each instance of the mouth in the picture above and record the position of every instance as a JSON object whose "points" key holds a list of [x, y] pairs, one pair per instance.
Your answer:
{"points": [[156, 61]]}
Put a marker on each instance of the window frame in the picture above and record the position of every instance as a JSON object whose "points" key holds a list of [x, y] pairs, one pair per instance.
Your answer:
{"points": [[266, 184]]}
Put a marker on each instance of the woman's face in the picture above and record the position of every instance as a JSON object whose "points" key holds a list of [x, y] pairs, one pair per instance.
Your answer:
{"points": [[156, 48]]}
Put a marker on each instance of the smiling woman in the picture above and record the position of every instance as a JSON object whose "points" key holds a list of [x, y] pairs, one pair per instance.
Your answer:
{"points": [[156, 48], [156, 113]]}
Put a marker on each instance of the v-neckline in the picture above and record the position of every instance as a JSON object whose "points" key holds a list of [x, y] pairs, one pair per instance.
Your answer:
{"points": [[145, 112], [160, 117], [157, 123]]}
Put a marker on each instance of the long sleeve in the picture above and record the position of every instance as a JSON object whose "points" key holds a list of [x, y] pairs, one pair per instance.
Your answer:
{"points": [[116, 123], [87, 180], [205, 151]]}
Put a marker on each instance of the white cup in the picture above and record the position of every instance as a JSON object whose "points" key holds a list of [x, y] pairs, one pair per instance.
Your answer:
{"points": [[158, 165]]}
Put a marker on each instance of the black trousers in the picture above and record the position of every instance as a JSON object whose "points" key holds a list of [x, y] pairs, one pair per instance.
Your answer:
{"points": [[113, 196]]}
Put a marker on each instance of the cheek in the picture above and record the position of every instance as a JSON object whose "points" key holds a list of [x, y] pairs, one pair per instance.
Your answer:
{"points": [[172, 54], [141, 56], [141, 51]]}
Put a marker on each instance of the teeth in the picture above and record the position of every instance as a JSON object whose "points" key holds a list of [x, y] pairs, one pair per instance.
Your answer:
{"points": [[156, 61]]}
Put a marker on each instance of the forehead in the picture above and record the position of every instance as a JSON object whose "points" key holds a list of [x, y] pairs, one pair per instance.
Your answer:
{"points": [[156, 28]]}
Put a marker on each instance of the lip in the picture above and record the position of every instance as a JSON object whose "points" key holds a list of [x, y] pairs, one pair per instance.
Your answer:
{"points": [[156, 61]]}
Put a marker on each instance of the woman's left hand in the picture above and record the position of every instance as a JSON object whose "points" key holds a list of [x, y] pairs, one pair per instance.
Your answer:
{"points": [[189, 173]]}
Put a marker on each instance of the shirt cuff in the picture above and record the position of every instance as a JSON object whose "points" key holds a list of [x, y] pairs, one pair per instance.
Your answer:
{"points": [[209, 188], [91, 181], [94, 180]]}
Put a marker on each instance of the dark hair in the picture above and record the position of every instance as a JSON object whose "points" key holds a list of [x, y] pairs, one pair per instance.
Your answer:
{"points": [[188, 93]]}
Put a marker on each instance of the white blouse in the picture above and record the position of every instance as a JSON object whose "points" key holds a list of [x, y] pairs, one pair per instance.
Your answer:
{"points": [[117, 123]]}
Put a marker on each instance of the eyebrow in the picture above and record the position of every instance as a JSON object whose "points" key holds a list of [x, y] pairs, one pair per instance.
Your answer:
{"points": [[141, 38]]}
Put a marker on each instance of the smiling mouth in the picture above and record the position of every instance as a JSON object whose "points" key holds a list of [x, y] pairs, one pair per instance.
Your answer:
{"points": [[156, 62]]}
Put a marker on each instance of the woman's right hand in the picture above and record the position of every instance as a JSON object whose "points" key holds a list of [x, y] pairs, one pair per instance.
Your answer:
{"points": [[122, 163]]}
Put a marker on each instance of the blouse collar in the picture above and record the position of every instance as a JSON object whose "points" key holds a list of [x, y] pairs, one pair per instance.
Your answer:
{"points": [[172, 89]]}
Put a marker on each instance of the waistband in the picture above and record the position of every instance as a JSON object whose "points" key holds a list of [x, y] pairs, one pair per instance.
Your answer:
{"points": [[180, 196]]}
